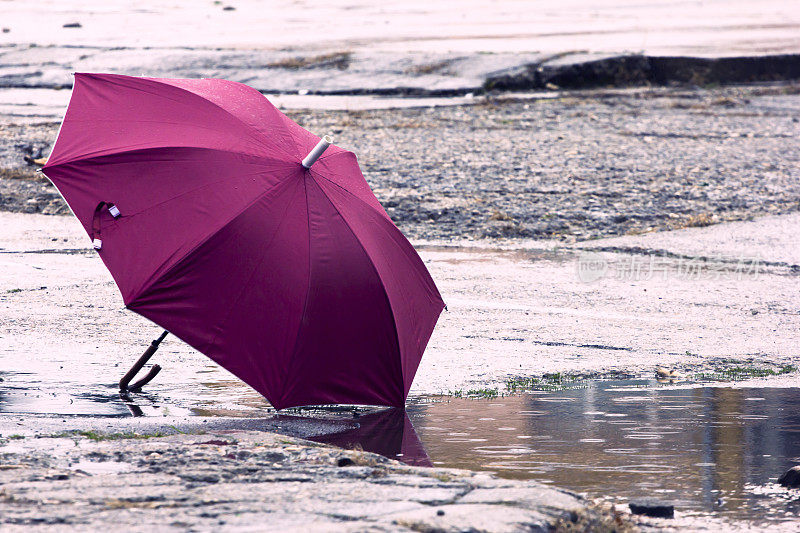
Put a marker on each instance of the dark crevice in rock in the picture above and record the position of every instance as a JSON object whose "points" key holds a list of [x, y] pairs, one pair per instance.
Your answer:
{"points": [[595, 346], [638, 70]]}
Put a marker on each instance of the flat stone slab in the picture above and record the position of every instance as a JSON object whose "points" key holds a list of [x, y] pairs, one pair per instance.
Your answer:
{"points": [[770, 241], [270, 71], [240, 480], [403, 47]]}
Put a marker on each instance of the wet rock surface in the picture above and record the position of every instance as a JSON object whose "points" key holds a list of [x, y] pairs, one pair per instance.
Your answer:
{"points": [[581, 71], [583, 166], [337, 71], [233, 480]]}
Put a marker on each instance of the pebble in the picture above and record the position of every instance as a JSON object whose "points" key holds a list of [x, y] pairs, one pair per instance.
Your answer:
{"points": [[790, 478], [652, 508]]}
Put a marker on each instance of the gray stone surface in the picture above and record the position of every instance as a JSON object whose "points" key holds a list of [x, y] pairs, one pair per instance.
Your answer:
{"points": [[404, 47], [274, 71], [718, 28], [250, 480], [771, 240]]}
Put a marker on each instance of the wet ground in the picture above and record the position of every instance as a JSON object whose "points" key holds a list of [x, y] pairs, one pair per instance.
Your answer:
{"points": [[708, 450], [241, 480], [689, 299], [718, 302], [701, 300], [401, 48]]}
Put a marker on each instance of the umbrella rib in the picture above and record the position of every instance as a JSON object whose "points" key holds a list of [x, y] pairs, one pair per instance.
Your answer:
{"points": [[181, 195], [380, 280], [365, 204], [131, 149], [256, 135], [285, 377], [382, 213], [331, 154]]}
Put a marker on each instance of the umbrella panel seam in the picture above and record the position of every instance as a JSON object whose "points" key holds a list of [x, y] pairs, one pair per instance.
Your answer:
{"points": [[375, 210], [334, 154], [289, 363], [131, 150], [128, 216], [371, 207], [243, 290]]}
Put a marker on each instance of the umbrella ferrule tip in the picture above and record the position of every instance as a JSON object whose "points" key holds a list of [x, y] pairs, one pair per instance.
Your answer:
{"points": [[316, 153]]}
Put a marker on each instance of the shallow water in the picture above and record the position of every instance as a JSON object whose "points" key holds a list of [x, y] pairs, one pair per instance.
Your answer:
{"points": [[709, 450]]}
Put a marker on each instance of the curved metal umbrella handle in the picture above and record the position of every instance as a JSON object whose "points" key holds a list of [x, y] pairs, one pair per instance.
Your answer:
{"points": [[124, 383], [136, 387]]}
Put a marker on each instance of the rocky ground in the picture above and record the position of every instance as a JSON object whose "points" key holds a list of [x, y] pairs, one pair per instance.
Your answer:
{"points": [[581, 166], [262, 481]]}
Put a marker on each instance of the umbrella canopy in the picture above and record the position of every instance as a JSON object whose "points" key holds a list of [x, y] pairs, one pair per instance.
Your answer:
{"points": [[295, 280]]}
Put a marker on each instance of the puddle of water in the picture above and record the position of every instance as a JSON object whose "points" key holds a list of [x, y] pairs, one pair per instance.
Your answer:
{"points": [[709, 450], [42, 104], [101, 467]]}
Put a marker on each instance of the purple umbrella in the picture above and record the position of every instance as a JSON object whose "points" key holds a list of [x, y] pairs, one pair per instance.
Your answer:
{"points": [[218, 222]]}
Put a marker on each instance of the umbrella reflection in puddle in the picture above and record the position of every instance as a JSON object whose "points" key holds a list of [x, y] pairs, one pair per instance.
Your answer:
{"points": [[389, 433]]}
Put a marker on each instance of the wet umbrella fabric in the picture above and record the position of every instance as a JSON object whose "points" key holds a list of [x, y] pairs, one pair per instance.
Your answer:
{"points": [[293, 279]]}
